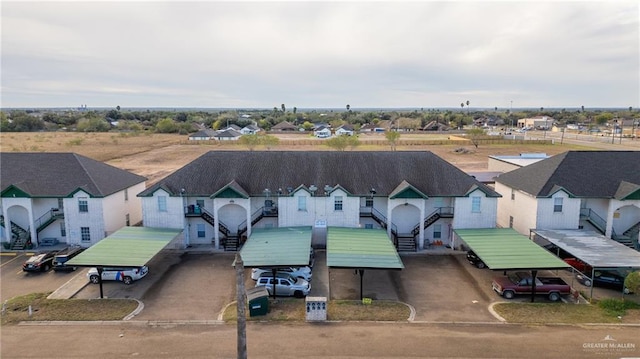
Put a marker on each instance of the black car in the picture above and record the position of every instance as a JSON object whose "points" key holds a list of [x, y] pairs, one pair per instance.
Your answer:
{"points": [[475, 260], [39, 263], [61, 258], [604, 279]]}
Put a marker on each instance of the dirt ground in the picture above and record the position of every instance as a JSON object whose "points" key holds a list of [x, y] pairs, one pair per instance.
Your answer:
{"points": [[155, 156]]}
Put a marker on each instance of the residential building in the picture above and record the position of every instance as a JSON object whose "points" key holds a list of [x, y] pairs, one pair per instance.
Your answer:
{"points": [[577, 189], [227, 135], [65, 197], [417, 197], [250, 130], [536, 122], [345, 129], [284, 126], [203, 135]]}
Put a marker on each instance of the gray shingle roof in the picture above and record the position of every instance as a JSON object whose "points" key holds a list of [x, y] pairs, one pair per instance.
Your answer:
{"points": [[357, 172], [61, 174], [593, 174]]}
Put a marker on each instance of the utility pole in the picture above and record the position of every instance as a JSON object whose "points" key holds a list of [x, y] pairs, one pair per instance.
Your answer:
{"points": [[242, 317]]}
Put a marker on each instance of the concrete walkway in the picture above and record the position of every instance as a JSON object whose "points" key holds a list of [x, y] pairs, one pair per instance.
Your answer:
{"points": [[73, 286]]}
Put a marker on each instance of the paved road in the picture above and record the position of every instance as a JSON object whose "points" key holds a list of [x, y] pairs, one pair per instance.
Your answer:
{"points": [[328, 340]]}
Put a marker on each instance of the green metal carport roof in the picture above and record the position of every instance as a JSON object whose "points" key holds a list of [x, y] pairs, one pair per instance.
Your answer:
{"points": [[506, 249], [361, 248], [277, 247], [127, 247]]}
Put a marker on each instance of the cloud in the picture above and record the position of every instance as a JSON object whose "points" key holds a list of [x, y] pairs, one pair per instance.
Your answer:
{"points": [[320, 54]]}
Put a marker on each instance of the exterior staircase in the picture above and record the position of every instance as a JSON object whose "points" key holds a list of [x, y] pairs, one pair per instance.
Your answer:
{"points": [[442, 212], [20, 236], [382, 221], [46, 219]]}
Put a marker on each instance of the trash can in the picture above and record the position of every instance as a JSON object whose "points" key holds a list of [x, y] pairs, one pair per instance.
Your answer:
{"points": [[316, 308], [258, 301]]}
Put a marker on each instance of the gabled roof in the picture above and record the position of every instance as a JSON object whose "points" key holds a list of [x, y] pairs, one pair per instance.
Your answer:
{"points": [[231, 190], [284, 125], [204, 133], [406, 190], [252, 127], [584, 174], [61, 174], [228, 133], [357, 172]]}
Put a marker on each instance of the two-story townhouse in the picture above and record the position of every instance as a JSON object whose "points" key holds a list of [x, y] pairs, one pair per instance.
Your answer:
{"points": [[64, 197], [418, 197], [577, 189]]}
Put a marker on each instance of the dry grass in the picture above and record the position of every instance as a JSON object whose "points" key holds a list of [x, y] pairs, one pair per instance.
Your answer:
{"points": [[43, 309], [341, 310], [547, 313]]}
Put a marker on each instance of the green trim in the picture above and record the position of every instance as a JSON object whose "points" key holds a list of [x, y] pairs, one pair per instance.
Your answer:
{"points": [[635, 195], [83, 190], [228, 193], [15, 192]]}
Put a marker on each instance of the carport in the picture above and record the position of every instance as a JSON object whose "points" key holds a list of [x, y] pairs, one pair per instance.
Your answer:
{"points": [[277, 248], [507, 250], [129, 247], [594, 249], [360, 249]]}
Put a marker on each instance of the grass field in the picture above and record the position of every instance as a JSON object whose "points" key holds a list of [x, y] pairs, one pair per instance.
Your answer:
{"points": [[157, 155]]}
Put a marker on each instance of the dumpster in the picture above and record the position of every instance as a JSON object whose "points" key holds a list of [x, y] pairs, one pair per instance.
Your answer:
{"points": [[258, 301]]}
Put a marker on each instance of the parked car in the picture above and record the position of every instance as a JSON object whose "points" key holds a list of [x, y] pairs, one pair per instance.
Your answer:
{"points": [[41, 262], [125, 275], [298, 272], [604, 279], [578, 265], [558, 251], [61, 258], [286, 285], [522, 283], [473, 258]]}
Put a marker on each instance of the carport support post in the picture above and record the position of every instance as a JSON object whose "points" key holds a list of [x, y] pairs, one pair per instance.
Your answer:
{"points": [[100, 280], [361, 271], [534, 274]]}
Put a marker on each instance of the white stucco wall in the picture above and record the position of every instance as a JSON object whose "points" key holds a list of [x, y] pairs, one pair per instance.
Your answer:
{"points": [[522, 208], [172, 218], [93, 218], [485, 218], [319, 208], [569, 218]]}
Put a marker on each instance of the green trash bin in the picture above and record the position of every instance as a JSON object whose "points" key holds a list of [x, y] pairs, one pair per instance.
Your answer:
{"points": [[258, 301]]}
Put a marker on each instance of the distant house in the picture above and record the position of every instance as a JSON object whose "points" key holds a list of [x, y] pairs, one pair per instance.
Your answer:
{"points": [[284, 126], [322, 132], [250, 130], [370, 127], [537, 122], [227, 135], [64, 197], [346, 129], [435, 126], [203, 135]]}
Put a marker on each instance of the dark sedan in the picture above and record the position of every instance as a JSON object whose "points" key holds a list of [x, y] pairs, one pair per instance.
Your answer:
{"points": [[473, 258], [604, 279], [39, 263]]}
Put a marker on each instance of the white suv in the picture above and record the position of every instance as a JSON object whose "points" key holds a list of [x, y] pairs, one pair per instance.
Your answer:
{"points": [[286, 285], [301, 272], [125, 275]]}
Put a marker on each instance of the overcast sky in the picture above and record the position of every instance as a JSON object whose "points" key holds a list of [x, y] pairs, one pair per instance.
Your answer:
{"points": [[321, 54]]}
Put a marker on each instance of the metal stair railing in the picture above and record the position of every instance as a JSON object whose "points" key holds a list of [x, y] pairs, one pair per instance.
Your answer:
{"points": [[46, 219], [594, 218]]}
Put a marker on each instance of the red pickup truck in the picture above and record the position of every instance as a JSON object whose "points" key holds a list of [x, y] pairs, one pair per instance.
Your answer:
{"points": [[520, 283]]}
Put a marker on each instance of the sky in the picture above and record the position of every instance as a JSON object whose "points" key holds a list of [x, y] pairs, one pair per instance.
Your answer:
{"points": [[313, 54]]}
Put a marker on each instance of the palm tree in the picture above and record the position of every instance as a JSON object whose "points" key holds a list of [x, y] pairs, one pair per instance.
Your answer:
{"points": [[467, 107], [284, 109], [462, 105], [349, 107]]}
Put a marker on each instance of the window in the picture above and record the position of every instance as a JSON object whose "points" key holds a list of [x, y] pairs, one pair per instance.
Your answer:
{"points": [[63, 230], [85, 234], [368, 225], [83, 204], [438, 202], [302, 203], [557, 204], [510, 221], [126, 194], [337, 204], [200, 203], [475, 204], [127, 220], [437, 231], [201, 231], [368, 202], [162, 203], [60, 204], [513, 194]]}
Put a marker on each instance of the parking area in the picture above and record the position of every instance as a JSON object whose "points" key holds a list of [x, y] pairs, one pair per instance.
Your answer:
{"points": [[197, 285]]}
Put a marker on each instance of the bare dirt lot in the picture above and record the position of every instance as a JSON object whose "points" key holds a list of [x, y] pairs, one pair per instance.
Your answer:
{"points": [[157, 155]]}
